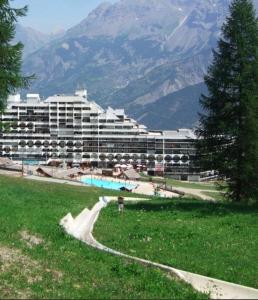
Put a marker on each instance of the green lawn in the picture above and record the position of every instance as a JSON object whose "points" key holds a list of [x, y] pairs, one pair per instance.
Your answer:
{"points": [[216, 195], [184, 184], [60, 266], [213, 239], [191, 185]]}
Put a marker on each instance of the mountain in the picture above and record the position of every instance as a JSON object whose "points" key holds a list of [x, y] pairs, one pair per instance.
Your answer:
{"points": [[148, 56], [32, 39], [177, 106]]}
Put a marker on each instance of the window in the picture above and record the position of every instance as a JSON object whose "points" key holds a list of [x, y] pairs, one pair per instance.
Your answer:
{"points": [[176, 158], [38, 144], [30, 144], [62, 144], [168, 158], [46, 143]]}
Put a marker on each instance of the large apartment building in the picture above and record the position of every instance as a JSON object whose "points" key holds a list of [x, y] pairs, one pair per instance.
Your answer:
{"points": [[73, 129]]}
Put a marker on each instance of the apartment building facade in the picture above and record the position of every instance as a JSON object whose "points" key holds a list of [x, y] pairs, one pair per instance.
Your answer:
{"points": [[73, 129]]}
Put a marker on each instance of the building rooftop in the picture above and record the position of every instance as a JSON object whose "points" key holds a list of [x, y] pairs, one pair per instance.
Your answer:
{"points": [[110, 114], [66, 98], [180, 134]]}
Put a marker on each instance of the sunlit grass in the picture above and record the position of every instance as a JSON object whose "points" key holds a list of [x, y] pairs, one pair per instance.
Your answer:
{"points": [[191, 185], [184, 184], [62, 267], [214, 239]]}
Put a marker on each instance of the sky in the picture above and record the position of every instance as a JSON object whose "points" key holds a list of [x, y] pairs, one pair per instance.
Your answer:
{"points": [[50, 16]]}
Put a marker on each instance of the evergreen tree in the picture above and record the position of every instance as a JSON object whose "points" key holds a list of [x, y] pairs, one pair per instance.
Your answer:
{"points": [[228, 130], [10, 54]]}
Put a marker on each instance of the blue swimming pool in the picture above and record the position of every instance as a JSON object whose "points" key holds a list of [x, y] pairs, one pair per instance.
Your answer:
{"points": [[113, 185]]}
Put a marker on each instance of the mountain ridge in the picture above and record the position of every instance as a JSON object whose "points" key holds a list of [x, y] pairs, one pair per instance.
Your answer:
{"points": [[33, 39], [133, 54]]}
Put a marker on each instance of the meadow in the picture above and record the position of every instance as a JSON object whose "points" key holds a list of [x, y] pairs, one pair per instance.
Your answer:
{"points": [[38, 260], [192, 185], [213, 239], [209, 186]]}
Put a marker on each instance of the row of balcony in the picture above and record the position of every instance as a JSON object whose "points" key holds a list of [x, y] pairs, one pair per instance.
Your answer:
{"points": [[181, 159]]}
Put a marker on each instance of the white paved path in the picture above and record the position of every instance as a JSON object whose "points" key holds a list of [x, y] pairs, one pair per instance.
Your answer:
{"points": [[82, 227]]}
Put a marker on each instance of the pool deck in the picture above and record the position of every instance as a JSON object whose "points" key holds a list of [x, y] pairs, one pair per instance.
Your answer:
{"points": [[143, 188]]}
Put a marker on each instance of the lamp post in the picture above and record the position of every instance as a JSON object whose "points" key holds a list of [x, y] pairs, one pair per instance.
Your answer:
{"points": [[46, 156], [98, 134], [163, 162], [22, 167], [24, 156]]}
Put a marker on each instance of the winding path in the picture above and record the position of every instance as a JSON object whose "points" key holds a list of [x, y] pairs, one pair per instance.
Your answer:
{"points": [[82, 227]]}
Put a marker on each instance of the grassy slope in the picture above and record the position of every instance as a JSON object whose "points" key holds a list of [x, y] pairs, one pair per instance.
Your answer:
{"points": [[216, 195], [191, 185], [185, 184], [217, 240], [62, 267]]}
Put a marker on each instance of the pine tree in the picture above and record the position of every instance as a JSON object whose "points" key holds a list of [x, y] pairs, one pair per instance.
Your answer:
{"points": [[228, 131], [10, 54]]}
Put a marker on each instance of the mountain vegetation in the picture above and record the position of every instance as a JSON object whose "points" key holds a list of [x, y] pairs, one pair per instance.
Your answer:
{"points": [[228, 128]]}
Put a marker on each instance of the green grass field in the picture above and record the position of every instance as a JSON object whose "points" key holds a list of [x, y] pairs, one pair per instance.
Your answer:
{"points": [[210, 186], [213, 239], [216, 195], [191, 185], [38, 260]]}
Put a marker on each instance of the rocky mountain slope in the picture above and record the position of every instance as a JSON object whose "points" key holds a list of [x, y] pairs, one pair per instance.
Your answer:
{"points": [[148, 56], [32, 39]]}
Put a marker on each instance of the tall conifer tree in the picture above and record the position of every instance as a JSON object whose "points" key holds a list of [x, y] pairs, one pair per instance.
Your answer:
{"points": [[10, 54], [228, 128]]}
